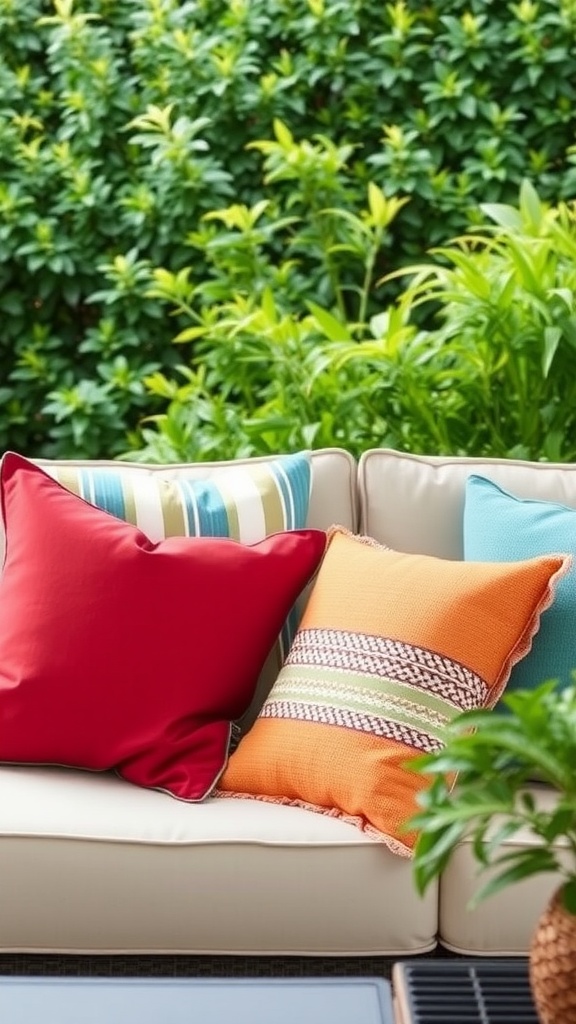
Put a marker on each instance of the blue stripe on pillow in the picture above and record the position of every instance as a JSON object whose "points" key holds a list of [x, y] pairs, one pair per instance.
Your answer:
{"points": [[103, 487], [206, 511], [293, 475]]}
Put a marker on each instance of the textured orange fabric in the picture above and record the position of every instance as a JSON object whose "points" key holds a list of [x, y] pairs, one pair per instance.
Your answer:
{"points": [[370, 773], [419, 600], [391, 647]]}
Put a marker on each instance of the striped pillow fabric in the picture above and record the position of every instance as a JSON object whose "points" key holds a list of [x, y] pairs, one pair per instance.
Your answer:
{"points": [[246, 501]]}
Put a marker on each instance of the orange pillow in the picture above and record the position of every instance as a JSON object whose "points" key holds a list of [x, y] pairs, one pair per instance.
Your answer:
{"points": [[391, 647]]}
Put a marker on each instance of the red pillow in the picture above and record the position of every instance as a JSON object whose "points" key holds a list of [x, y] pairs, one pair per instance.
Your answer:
{"points": [[116, 652]]}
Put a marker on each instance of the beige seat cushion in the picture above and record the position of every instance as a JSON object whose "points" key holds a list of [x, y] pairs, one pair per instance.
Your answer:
{"points": [[93, 864]]}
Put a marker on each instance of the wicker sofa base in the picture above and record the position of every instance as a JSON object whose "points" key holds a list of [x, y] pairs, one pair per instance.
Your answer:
{"points": [[107, 965]]}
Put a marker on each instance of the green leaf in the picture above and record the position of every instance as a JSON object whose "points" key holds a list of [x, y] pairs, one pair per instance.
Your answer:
{"points": [[432, 853], [379, 324], [468, 105], [552, 337], [569, 895], [377, 204], [497, 838], [505, 216], [190, 334], [566, 295], [283, 134], [333, 328], [558, 823], [359, 226], [530, 206], [269, 305]]}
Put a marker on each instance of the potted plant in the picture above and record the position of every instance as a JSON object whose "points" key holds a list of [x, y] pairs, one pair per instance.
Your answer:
{"points": [[480, 790]]}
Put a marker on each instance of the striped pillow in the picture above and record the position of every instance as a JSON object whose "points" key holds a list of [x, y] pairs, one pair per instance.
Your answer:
{"points": [[246, 500]]}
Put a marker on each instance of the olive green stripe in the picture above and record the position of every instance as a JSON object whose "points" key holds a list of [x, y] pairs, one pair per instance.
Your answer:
{"points": [[387, 708], [386, 704], [173, 505], [70, 479], [266, 484], [379, 687], [386, 712]]}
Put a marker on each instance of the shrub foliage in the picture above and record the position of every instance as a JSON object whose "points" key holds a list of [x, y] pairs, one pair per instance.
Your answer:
{"points": [[235, 172], [490, 369]]}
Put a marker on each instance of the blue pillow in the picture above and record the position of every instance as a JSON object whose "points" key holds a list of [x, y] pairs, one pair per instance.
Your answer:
{"points": [[498, 527]]}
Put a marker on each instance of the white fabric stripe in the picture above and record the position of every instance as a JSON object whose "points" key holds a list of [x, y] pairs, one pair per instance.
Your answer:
{"points": [[189, 507], [148, 504], [239, 485], [87, 486]]}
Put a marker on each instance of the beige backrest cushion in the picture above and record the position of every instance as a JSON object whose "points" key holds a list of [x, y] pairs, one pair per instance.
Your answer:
{"points": [[334, 497], [415, 503]]}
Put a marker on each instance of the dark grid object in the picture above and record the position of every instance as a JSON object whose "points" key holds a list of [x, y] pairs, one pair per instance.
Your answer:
{"points": [[464, 992], [166, 965], [205, 966]]}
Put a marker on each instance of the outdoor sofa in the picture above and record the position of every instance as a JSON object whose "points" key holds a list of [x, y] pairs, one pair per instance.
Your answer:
{"points": [[92, 863]]}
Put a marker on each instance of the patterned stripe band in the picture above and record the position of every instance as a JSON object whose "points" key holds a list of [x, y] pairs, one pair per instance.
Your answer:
{"points": [[380, 657], [373, 685], [305, 689], [375, 726]]}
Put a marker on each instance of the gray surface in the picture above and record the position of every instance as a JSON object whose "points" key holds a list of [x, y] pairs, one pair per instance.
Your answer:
{"points": [[201, 1000]]}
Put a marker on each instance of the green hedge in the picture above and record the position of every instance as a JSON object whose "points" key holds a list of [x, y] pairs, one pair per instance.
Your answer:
{"points": [[477, 355], [124, 122]]}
